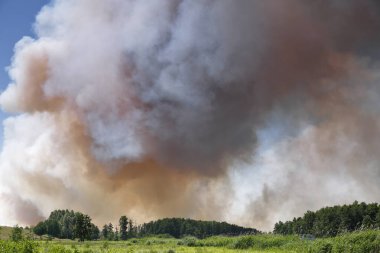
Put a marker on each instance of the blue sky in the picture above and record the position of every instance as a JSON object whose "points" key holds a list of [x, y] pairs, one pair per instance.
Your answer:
{"points": [[16, 20]]}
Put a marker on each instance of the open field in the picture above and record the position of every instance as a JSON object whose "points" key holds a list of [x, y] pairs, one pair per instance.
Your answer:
{"points": [[358, 242]]}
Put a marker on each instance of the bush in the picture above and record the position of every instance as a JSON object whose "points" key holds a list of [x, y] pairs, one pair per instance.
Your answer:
{"points": [[16, 234], [244, 242], [189, 241]]}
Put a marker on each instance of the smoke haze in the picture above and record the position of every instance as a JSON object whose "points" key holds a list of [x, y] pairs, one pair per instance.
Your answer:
{"points": [[245, 111]]}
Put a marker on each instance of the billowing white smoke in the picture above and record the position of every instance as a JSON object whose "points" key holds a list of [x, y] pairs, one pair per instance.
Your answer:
{"points": [[154, 109]]}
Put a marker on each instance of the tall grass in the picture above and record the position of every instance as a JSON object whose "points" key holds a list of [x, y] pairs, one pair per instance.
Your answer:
{"points": [[357, 242]]}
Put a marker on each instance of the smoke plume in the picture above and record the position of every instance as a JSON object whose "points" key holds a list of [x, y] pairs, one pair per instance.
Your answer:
{"points": [[246, 111]]}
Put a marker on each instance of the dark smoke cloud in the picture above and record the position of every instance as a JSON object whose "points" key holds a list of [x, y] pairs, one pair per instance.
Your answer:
{"points": [[25, 211], [150, 106]]}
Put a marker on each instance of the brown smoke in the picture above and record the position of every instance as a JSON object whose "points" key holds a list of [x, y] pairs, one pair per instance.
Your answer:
{"points": [[156, 109]]}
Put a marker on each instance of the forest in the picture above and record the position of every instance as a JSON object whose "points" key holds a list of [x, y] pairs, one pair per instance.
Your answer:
{"points": [[331, 221], [179, 227], [326, 222], [65, 224]]}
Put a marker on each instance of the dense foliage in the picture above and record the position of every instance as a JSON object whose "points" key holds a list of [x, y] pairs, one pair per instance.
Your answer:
{"points": [[67, 224], [331, 221], [178, 227]]}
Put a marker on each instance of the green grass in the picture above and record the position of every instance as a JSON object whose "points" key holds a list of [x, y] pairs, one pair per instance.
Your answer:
{"points": [[358, 242]]}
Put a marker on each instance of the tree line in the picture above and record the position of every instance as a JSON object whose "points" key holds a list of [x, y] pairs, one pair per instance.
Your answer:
{"points": [[126, 230], [331, 221], [179, 227], [65, 224]]}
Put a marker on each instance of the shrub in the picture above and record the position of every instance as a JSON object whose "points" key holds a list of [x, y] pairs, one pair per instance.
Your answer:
{"points": [[244, 242], [189, 241], [16, 234]]}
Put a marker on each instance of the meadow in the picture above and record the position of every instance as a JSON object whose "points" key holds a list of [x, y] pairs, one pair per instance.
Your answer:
{"points": [[357, 242]]}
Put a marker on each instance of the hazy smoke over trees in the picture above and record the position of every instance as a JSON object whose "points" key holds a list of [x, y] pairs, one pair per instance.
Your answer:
{"points": [[246, 110]]}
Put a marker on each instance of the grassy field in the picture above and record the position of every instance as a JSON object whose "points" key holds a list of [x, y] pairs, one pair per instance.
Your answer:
{"points": [[358, 242]]}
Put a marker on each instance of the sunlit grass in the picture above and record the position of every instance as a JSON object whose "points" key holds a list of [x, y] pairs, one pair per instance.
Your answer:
{"points": [[358, 242]]}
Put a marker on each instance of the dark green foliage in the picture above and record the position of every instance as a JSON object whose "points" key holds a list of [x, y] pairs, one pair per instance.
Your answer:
{"points": [[123, 223], [178, 227], [94, 232], [109, 233], [105, 232], [68, 225], [132, 229], [40, 228], [65, 224], [331, 221], [377, 219], [127, 228], [367, 222], [82, 227], [116, 235], [53, 228]]}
